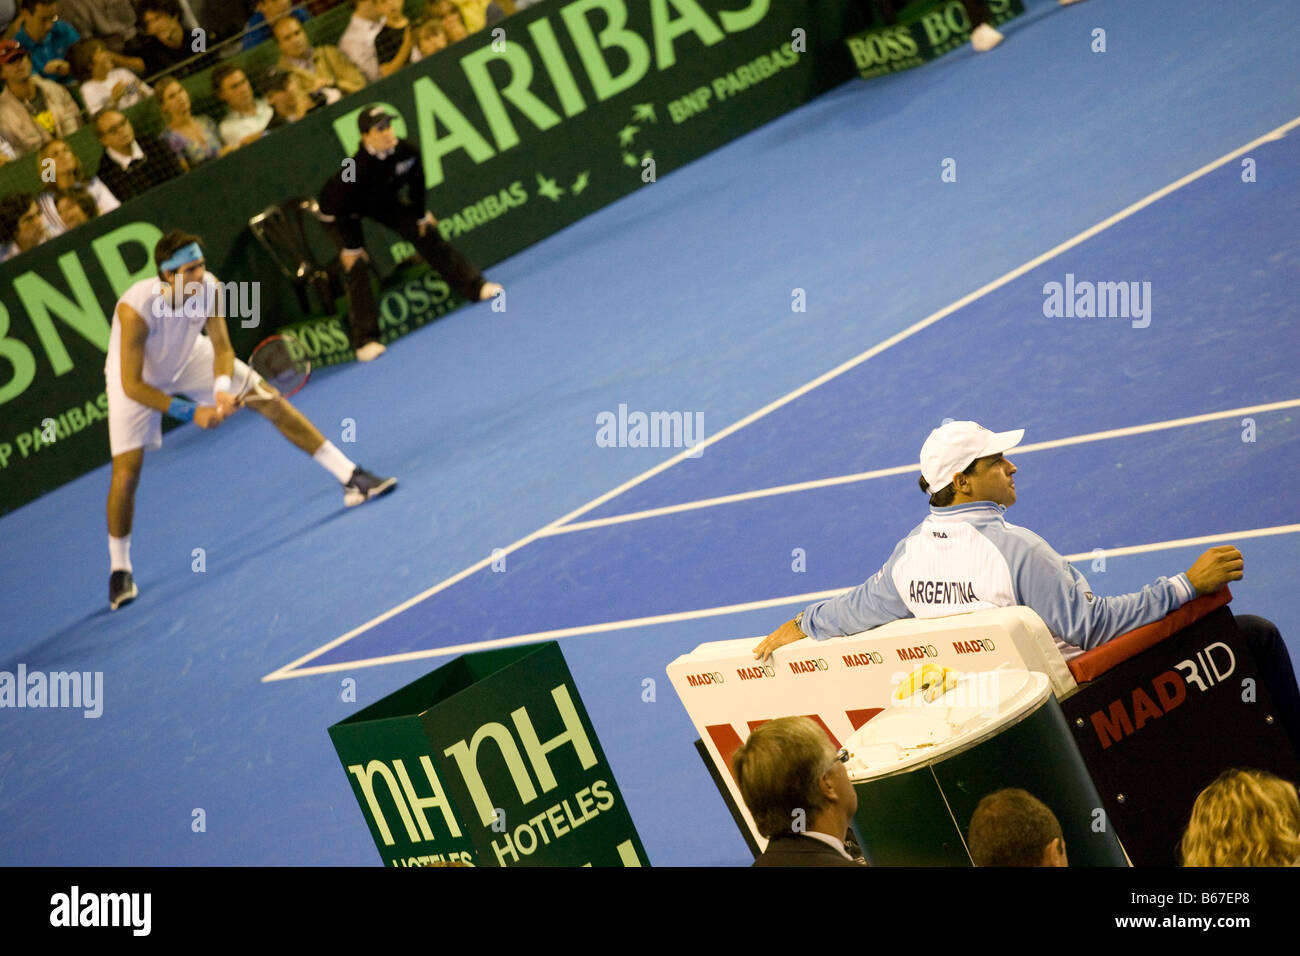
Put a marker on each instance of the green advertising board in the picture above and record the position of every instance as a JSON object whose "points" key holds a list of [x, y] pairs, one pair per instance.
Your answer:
{"points": [[923, 31], [490, 760], [523, 133]]}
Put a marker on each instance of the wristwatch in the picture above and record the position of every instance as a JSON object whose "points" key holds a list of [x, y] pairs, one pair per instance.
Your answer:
{"points": [[798, 620]]}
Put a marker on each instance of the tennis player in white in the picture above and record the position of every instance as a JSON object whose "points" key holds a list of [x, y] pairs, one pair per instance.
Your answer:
{"points": [[156, 352]]}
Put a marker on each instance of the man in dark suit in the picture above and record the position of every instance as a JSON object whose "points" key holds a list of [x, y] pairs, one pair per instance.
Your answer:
{"points": [[130, 166], [798, 791]]}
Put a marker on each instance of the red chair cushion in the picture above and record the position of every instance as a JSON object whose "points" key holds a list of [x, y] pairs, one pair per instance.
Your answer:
{"points": [[1092, 664]]}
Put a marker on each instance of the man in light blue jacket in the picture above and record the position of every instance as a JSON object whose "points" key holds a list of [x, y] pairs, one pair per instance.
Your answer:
{"points": [[965, 556]]}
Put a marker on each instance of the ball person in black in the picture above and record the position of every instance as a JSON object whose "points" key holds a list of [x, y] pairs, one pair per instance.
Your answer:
{"points": [[384, 180]]}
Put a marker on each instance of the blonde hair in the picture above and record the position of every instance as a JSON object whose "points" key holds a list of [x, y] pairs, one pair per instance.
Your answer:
{"points": [[1244, 818], [777, 770]]}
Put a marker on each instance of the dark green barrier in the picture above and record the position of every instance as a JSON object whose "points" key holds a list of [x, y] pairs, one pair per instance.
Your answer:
{"points": [[490, 760], [583, 103], [923, 32]]}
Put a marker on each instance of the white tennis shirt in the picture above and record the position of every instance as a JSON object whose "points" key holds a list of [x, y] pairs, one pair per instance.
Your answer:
{"points": [[173, 329]]}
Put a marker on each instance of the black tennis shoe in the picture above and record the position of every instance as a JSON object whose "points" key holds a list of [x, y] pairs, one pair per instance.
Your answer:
{"points": [[121, 589], [363, 486]]}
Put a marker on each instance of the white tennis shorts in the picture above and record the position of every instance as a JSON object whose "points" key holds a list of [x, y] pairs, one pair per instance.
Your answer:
{"points": [[132, 425]]}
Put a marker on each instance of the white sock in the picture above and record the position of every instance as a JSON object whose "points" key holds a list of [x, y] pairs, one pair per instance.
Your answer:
{"points": [[335, 462], [119, 553]]}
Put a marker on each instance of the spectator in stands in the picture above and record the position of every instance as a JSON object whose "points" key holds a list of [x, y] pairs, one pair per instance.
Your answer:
{"points": [[113, 21], [248, 115], [322, 70], [268, 13], [1014, 828], [7, 152], [288, 101], [47, 38], [358, 40], [21, 225], [32, 110], [393, 43], [76, 207], [1244, 818], [102, 83], [476, 14], [193, 138], [452, 20], [59, 166], [218, 19], [131, 166], [429, 38], [798, 791], [167, 45]]}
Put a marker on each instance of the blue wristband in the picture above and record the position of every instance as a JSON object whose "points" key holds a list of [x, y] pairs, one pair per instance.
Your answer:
{"points": [[182, 409]]}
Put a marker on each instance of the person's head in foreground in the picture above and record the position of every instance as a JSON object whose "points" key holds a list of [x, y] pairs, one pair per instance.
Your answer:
{"points": [[793, 780], [21, 222], [1244, 818], [963, 462], [1014, 828]]}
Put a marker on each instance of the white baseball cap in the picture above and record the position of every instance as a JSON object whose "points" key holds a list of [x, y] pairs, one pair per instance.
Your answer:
{"points": [[952, 447]]}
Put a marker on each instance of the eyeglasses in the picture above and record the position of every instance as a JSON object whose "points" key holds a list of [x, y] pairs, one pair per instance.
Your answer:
{"points": [[841, 756]]}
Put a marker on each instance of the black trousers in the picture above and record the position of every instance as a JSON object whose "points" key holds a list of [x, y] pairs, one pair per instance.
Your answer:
{"points": [[363, 309], [1275, 670]]}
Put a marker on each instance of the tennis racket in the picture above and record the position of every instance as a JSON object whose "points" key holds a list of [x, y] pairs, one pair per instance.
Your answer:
{"points": [[280, 360]]}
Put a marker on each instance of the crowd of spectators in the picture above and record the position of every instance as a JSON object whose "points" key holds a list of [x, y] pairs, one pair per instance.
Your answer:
{"points": [[801, 799], [65, 64]]}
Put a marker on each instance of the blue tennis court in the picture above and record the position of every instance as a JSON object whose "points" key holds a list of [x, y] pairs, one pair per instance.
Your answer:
{"points": [[1167, 423]]}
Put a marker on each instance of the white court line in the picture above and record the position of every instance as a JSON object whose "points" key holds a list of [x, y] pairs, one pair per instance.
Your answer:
{"points": [[929, 320], [789, 599], [904, 469]]}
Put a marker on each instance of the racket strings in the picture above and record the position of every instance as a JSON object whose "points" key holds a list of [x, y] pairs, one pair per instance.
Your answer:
{"points": [[282, 362]]}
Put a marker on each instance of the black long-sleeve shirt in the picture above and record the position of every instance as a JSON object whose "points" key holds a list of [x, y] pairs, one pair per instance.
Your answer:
{"points": [[384, 187]]}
